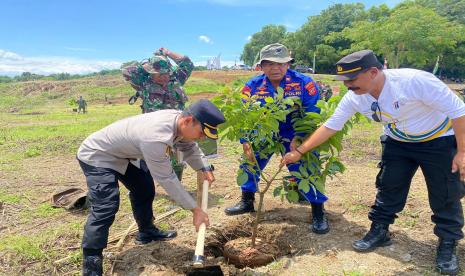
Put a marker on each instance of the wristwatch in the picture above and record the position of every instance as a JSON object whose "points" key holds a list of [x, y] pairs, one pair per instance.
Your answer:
{"points": [[210, 168]]}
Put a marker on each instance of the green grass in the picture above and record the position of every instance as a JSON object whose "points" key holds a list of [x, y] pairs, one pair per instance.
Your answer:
{"points": [[181, 214], [99, 92], [56, 131], [25, 246], [199, 85], [9, 198], [353, 273], [43, 210]]}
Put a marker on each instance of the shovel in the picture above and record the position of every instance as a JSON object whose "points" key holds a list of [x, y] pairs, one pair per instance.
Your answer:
{"points": [[199, 258]]}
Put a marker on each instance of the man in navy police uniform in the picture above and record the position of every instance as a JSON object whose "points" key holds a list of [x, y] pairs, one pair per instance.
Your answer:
{"points": [[274, 61]]}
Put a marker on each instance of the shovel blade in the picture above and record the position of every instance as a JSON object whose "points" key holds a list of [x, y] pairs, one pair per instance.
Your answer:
{"points": [[214, 270]]}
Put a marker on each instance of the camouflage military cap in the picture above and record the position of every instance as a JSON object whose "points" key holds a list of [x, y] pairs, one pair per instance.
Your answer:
{"points": [[157, 64]]}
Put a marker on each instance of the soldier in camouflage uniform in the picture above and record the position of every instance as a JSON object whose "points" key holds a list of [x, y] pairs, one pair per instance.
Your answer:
{"points": [[159, 83]]}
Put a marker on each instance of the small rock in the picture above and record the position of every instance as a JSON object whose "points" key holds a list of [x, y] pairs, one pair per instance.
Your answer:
{"points": [[227, 196], [219, 260], [287, 262], [406, 258], [232, 270]]}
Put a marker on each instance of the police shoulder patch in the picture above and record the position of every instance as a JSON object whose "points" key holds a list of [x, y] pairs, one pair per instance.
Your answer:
{"points": [[246, 91], [311, 89]]}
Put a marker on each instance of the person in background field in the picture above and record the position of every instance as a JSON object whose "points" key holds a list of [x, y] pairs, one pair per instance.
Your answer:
{"points": [[274, 62], [424, 126], [82, 105], [105, 157]]}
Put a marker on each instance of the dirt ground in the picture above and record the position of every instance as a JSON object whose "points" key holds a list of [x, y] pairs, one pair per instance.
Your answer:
{"points": [[285, 224]]}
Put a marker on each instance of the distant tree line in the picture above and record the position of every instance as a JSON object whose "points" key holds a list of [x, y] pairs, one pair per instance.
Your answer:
{"points": [[412, 34], [27, 76]]}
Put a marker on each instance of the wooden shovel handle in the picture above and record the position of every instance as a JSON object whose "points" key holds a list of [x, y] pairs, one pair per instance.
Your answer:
{"points": [[199, 248]]}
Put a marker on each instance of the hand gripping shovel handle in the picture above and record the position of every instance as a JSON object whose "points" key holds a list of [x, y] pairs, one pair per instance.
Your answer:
{"points": [[199, 258]]}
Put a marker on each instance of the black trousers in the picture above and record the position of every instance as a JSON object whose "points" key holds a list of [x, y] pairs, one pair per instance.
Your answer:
{"points": [[399, 162], [104, 197]]}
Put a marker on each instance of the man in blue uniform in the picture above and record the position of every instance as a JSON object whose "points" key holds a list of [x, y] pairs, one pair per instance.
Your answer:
{"points": [[274, 62]]}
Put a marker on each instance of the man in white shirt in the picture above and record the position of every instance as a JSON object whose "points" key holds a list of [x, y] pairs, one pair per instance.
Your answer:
{"points": [[424, 126], [105, 158]]}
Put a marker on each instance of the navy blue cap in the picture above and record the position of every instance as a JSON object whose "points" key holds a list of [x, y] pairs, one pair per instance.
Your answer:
{"points": [[350, 66], [208, 115]]}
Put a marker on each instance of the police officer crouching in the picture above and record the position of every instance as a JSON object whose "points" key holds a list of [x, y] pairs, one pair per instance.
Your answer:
{"points": [[105, 157]]}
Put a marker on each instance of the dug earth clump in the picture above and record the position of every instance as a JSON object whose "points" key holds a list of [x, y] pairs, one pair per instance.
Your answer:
{"points": [[240, 252], [232, 240]]}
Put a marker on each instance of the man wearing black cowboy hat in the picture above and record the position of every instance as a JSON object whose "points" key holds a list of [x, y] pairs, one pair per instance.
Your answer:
{"points": [[424, 126], [105, 157]]}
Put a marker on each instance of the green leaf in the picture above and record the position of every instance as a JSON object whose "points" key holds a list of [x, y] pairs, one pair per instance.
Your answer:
{"points": [[320, 185], [292, 196], [242, 178], [277, 191], [336, 167], [304, 185], [303, 171], [269, 100], [296, 174]]}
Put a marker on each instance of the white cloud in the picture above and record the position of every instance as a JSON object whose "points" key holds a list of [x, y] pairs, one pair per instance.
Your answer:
{"points": [[205, 39], [249, 38], [12, 64], [5, 55]]}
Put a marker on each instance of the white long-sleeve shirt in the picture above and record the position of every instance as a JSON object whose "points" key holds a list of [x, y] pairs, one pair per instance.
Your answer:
{"points": [[414, 106], [146, 136]]}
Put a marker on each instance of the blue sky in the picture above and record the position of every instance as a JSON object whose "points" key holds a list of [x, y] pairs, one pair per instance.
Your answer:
{"points": [[52, 36]]}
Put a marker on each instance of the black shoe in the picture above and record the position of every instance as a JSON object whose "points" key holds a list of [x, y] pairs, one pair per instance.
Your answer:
{"points": [[244, 206], [152, 233], [92, 266], [377, 236], [320, 223], [446, 258]]}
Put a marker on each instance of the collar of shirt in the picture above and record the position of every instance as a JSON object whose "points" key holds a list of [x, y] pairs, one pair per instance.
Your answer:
{"points": [[286, 80], [176, 138]]}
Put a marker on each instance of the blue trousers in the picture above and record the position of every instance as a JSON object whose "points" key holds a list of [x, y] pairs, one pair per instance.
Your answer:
{"points": [[250, 185]]}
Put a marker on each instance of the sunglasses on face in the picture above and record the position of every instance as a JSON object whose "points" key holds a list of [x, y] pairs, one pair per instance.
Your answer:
{"points": [[375, 108]]}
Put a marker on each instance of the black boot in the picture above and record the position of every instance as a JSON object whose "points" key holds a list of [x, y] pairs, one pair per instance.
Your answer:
{"points": [[446, 258], [320, 223], [149, 232], [377, 236], [244, 206], [92, 266]]}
